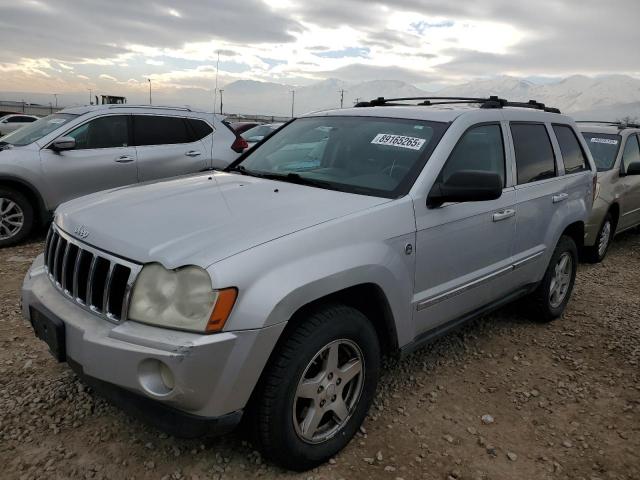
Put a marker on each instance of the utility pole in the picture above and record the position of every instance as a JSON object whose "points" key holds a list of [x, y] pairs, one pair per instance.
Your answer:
{"points": [[221, 90], [149, 80], [341, 97], [293, 101], [90, 101], [55, 95], [357, 101]]}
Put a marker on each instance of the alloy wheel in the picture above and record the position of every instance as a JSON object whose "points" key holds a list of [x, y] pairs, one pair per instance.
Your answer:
{"points": [[11, 218], [329, 391], [561, 280], [605, 236]]}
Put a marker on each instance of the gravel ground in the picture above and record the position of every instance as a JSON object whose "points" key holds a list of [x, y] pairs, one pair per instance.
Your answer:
{"points": [[503, 398]]}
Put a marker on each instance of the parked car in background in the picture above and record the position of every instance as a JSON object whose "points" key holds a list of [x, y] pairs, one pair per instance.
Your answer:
{"points": [[256, 134], [616, 150], [13, 122], [82, 150], [272, 289], [241, 127]]}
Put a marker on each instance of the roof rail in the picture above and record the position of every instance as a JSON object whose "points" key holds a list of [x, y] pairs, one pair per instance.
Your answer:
{"points": [[159, 107], [620, 125], [491, 102]]}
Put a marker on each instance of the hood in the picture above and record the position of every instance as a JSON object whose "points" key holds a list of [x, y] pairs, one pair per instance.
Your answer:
{"points": [[201, 219]]}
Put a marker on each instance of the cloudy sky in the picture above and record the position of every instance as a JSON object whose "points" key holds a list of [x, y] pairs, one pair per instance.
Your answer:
{"points": [[116, 45]]}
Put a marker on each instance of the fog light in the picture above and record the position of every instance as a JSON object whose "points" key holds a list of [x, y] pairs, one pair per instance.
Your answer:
{"points": [[167, 376], [156, 378]]}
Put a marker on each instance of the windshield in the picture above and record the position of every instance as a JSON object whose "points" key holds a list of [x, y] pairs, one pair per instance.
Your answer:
{"points": [[366, 155], [256, 134], [38, 129], [604, 149]]}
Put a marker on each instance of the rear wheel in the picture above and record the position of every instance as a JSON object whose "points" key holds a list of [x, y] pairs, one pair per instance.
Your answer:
{"points": [[552, 295], [318, 388], [16, 217], [597, 252]]}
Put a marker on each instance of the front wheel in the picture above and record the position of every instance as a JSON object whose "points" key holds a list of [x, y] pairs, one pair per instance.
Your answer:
{"points": [[318, 388], [597, 252], [552, 295], [16, 217]]}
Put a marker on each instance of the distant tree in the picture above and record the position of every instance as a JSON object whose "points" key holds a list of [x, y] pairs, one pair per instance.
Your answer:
{"points": [[626, 120]]}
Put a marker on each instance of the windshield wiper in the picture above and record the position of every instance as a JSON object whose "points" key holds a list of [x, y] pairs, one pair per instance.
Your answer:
{"points": [[243, 171], [293, 177]]}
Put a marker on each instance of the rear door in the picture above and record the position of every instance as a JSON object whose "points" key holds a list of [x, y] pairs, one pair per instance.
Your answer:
{"points": [[166, 147], [103, 159], [541, 194], [630, 198]]}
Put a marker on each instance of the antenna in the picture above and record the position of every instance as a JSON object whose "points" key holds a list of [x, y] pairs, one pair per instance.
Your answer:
{"points": [[215, 90]]}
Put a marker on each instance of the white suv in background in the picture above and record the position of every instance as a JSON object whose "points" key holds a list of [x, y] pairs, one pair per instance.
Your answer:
{"points": [[83, 150], [11, 123]]}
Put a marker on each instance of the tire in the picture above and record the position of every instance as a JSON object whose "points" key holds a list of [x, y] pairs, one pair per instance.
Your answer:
{"points": [[328, 332], [548, 303], [16, 217], [597, 252]]}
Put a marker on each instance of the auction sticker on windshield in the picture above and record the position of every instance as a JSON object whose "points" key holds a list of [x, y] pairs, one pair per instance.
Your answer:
{"points": [[608, 141], [401, 141]]}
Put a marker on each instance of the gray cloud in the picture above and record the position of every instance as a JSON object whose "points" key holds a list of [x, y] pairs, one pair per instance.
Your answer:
{"points": [[357, 72], [72, 30]]}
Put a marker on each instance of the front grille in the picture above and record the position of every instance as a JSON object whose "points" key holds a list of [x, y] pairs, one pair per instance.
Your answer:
{"points": [[96, 280]]}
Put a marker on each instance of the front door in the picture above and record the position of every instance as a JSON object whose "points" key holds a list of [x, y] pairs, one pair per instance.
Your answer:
{"points": [[463, 250], [630, 196], [103, 159]]}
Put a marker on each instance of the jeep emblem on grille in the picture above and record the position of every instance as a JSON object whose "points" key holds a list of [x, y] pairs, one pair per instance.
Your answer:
{"points": [[81, 231]]}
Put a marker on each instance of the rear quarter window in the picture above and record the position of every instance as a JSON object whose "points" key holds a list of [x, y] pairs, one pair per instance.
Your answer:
{"points": [[573, 156]]}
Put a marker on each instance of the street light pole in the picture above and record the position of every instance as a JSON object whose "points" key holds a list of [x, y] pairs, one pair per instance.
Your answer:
{"points": [[221, 90], [90, 101], [293, 101], [55, 95], [149, 80], [341, 97]]}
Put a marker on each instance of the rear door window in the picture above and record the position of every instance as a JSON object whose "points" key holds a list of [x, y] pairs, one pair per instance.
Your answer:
{"points": [[572, 155], [480, 148], [534, 154], [160, 130]]}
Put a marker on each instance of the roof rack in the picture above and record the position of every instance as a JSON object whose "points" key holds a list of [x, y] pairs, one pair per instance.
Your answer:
{"points": [[620, 125], [159, 107], [491, 102]]}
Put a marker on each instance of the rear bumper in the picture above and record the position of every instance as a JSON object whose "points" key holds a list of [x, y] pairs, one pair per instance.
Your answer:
{"points": [[214, 375]]}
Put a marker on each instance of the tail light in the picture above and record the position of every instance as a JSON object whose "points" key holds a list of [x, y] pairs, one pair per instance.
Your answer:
{"points": [[239, 144]]}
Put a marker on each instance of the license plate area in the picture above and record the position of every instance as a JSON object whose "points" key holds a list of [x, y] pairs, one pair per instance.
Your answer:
{"points": [[51, 331]]}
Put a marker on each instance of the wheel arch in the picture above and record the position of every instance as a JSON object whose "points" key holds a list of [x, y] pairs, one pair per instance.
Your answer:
{"points": [[32, 194], [614, 210], [576, 232]]}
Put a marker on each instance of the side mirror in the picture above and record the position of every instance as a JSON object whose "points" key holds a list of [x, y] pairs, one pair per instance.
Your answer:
{"points": [[466, 186], [63, 143], [633, 168]]}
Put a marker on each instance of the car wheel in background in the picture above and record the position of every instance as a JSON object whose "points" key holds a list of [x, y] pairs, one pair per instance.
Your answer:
{"points": [[598, 251], [16, 217], [318, 387], [552, 295]]}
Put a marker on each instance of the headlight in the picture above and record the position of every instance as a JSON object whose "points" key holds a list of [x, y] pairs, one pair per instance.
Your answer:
{"points": [[182, 298]]}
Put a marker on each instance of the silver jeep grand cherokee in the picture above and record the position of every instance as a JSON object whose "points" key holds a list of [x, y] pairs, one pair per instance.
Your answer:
{"points": [[272, 289]]}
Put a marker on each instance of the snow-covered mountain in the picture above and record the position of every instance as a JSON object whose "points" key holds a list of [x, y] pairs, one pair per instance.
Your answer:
{"points": [[612, 96], [607, 98]]}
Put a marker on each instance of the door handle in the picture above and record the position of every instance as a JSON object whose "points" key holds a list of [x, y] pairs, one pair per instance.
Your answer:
{"points": [[192, 153], [561, 197], [503, 215], [124, 159]]}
